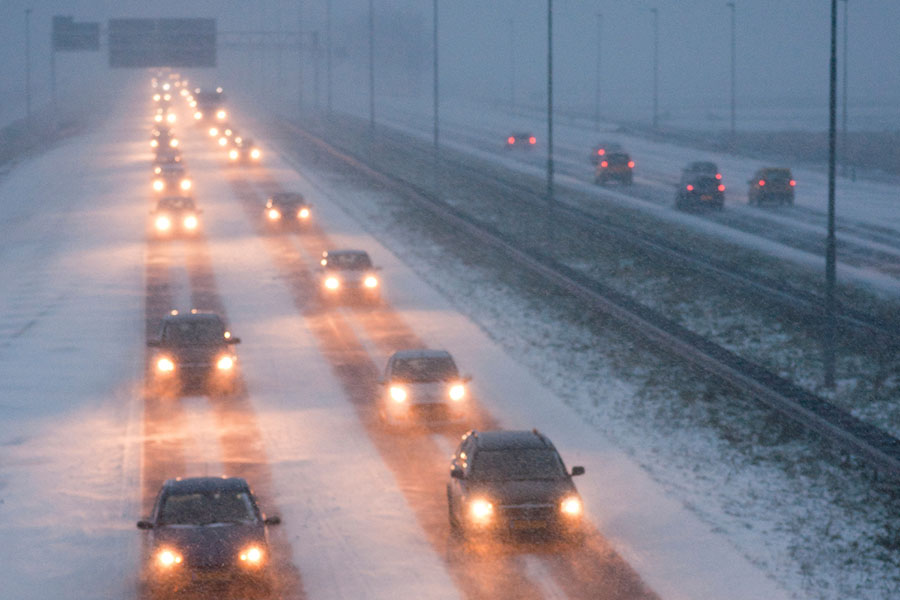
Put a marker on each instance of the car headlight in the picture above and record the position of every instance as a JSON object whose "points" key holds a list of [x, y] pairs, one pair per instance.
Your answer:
{"points": [[165, 365], [223, 140], [398, 394], [571, 506], [159, 185], [255, 154], [370, 282], [481, 510], [252, 555], [185, 184], [173, 143], [157, 118], [190, 222], [457, 392], [225, 363], [170, 117], [233, 154], [168, 558], [163, 223], [273, 214], [198, 115], [303, 213], [154, 143], [332, 283], [221, 115]]}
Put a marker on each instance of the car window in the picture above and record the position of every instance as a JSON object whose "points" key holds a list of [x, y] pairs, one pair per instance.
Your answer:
{"points": [[207, 331], [200, 508], [352, 262], [424, 369], [617, 159], [517, 464]]}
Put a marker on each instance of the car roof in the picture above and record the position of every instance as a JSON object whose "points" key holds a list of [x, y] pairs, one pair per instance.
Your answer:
{"points": [[522, 134], [344, 252], [188, 485], [287, 197], [195, 316], [506, 440], [420, 353], [782, 170]]}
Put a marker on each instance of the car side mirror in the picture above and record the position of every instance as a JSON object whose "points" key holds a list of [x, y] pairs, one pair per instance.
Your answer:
{"points": [[233, 340], [144, 525], [457, 473], [273, 520], [576, 471], [154, 343]]}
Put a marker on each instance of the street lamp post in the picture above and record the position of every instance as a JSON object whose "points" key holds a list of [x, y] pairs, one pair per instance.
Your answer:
{"points": [[550, 198], [371, 65], [512, 63], [655, 67], [436, 101], [733, 70], [328, 80], [830, 246], [844, 148], [599, 75], [28, 66]]}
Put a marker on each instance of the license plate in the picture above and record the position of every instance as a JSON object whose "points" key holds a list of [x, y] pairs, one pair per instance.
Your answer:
{"points": [[706, 197], [528, 525]]}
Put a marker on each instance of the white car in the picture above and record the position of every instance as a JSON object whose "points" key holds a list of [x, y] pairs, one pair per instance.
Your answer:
{"points": [[424, 386]]}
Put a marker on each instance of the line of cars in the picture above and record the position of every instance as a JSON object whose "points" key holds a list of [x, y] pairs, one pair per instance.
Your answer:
{"points": [[210, 530]]}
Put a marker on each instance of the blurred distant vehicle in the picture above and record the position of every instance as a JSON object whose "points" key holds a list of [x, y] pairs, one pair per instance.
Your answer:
{"points": [[524, 140], [770, 184], [423, 386], [698, 189], [244, 151], [348, 274], [176, 216], [206, 531], [601, 150], [162, 137], [287, 209], [210, 106], [171, 177], [166, 155], [615, 166], [194, 354], [512, 482]]}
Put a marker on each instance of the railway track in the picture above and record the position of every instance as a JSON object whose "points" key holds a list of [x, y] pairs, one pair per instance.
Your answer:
{"points": [[812, 412]]}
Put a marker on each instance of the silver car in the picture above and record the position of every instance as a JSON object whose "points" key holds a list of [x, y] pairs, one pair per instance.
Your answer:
{"points": [[424, 386]]}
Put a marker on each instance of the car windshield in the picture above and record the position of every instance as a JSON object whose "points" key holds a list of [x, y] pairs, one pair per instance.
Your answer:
{"points": [[203, 508], [777, 174], [517, 464], [424, 369], [186, 332], [349, 262], [288, 201], [185, 204], [617, 159]]}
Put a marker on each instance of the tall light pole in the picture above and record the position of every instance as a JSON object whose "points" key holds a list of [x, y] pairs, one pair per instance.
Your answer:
{"points": [[830, 246], [655, 67], [599, 74], [28, 66], [436, 105], [844, 149], [512, 63], [371, 65], [550, 105], [300, 53], [328, 80], [733, 101]]}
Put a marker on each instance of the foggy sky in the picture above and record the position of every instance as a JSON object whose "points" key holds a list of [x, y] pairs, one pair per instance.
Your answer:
{"points": [[782, 47]]}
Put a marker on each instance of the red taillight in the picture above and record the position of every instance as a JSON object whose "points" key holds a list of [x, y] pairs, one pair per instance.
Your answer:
{"points": [[762, 182], [604, 164], [719, 176], [721, 188], [601, 152], [690, 188], [630, 164], [793, 183], [532, 140], [510, 140]]}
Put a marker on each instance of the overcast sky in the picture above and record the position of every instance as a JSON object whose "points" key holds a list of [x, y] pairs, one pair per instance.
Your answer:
{"points": [[782, 46]]}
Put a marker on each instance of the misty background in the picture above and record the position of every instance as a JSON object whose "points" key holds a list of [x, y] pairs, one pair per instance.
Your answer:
{"points": [[782, 57]]}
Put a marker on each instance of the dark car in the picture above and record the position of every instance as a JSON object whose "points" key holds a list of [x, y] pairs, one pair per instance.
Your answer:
{"points": [[163, 137], [423, 385], [348, 274], [770, 184], [176, 215], [206, 530], [698, 190], [166, 155], [616, 166], [602, 149], [287, 208], [521, 139], [171, 178], [194, 353], [244, 151], [508, 482]]}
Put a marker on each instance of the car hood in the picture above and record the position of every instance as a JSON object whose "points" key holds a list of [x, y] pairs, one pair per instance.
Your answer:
{"points": [[517, 492], [214, 545], [199, 354]]}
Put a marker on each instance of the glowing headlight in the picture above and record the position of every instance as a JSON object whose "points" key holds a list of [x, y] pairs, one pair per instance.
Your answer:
{"points": [[233, 154], [173, 143], [221, 115], [571, 506], [303, 213], [157, 170], [275, 215], [170, 117], [213, 132], [225, 363], [398, 394], [190, 222], [481, 510], [370, 281], [252, 555], [156, 97], [167, 87], [457, 392], [198, 115], [169, 558], [332, 283], [223, 141], [154, 143], [157, 118], [165, 365], [163, 223], [185, 184], [159, 185], [255, 154], [167, 97]]}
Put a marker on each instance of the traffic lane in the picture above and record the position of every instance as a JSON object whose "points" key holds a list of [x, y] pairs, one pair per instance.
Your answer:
{"points": [[417, 463]]}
